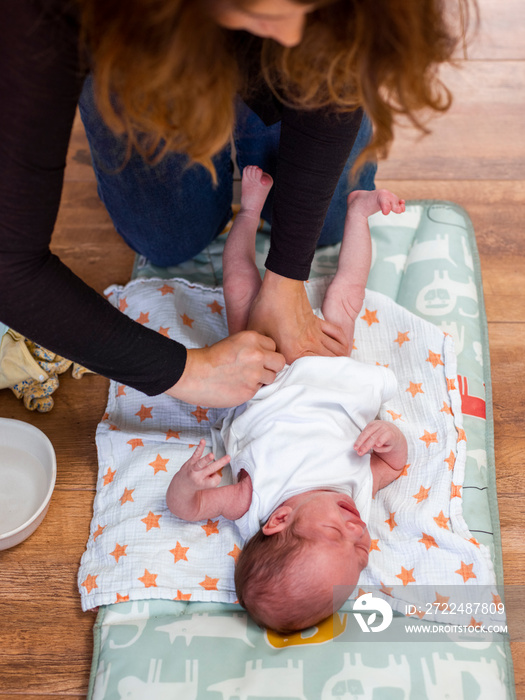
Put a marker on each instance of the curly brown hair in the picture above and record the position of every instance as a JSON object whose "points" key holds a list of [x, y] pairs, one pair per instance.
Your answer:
{"points": [[175, 74]]}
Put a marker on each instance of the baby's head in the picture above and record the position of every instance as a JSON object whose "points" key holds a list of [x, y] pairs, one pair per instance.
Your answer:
{"points": [[286, 573]]}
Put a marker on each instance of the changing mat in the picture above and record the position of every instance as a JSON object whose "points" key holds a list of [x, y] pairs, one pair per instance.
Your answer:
{"points": [[426, 260], [139, 550]]}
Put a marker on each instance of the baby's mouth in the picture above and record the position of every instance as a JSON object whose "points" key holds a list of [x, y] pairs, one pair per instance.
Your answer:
{"points": [[349, 506]]}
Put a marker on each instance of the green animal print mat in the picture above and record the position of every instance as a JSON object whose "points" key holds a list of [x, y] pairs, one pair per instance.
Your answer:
{"points": [[425, 259]]}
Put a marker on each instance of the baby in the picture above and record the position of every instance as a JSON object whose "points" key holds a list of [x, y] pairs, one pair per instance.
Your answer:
{"points": [[307, 453]]}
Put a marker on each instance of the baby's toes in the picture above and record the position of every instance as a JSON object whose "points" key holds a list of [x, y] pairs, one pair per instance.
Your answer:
{"points": [[252, 173]]}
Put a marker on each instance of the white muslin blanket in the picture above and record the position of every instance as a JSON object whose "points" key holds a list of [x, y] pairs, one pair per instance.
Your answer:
{"points": [[138, 550]]}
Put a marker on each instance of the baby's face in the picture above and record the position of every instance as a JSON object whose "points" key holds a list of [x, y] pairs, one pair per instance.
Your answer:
{"points": [[340, 542]]}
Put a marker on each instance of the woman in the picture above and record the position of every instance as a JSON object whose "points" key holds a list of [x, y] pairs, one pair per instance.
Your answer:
{"points": [[173, 80]]}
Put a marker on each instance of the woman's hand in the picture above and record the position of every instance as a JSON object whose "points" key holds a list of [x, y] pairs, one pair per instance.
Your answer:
{"points": [[282, 311], [229, 372]]}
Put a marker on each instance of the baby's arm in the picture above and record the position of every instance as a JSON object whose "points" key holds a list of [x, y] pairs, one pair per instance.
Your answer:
{"points": [[389, 454], [194, 493]]}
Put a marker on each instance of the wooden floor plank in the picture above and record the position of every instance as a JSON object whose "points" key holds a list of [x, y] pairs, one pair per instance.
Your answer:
{"points": [[479, 138], [500, 35], [71, 425], [79, 167], [42, 626], [83, 236]]}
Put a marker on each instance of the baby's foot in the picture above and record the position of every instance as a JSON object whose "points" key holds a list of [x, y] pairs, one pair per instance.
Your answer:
{"points": [[367, 203], [388, 202], [255, 187]]}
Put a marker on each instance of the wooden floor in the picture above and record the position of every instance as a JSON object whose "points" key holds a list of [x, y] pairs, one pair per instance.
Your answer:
{"points": [[475, 157]]}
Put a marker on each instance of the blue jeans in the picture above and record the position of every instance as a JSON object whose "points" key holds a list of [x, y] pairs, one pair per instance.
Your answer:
{"points": [[170, 212]]}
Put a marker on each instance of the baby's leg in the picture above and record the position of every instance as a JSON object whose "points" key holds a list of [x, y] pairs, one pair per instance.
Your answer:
{"points": [[241, 276], [355, 257], [345, 295]]}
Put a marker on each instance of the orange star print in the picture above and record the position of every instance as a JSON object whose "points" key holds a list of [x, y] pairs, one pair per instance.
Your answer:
{"points": [[144, 412], [370, 317], [166, 289], [211, 527], [385, 589], [159, 464], [450, 460], [435, 359], [151, 520], [179, 553], [149, 580], [465, 571], [215, 307], [119, 551], [391, 522], [143, 318], [395, 416], [127, 496], [234, 554], [209, 584], [441, 602], [455, 490], [90, 583], [200, 414], [415, 388], [446, 409], [108, 476], [187, 321], [100, 529], [404, 471], [428, 438], [406, 576], [135, 442], [441, 520], [421, 494], [402, 338], [428, 541]]}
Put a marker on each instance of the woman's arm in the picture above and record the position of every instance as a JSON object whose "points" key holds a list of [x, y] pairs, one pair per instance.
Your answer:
{"points": [[314, 148], [40, 82]]}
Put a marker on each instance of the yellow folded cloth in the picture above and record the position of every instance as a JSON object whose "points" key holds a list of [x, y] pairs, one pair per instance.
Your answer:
{"points": [[31, 371]]}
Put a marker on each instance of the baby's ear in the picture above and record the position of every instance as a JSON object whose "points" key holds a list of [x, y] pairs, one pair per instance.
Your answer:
{"points": [[277, 521]]}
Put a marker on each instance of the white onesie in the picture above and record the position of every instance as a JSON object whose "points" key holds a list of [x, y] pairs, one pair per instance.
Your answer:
{"points": [[297, 434]]}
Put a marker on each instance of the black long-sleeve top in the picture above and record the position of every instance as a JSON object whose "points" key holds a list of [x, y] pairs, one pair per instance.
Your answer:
{"points": [[40, 83]]}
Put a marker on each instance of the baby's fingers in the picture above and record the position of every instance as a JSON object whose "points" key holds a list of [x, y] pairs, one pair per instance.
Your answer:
{"points": [[368, 431], [365, 445], [208, 465], [196, 456], [374, 436]]}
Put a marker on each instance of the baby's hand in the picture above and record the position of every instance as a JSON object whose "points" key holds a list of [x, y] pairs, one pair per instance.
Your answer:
{"points": [[378, 436], [201, 472]]}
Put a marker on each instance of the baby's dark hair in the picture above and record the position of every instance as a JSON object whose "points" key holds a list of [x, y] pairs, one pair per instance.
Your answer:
{"points": [[275, 588]]}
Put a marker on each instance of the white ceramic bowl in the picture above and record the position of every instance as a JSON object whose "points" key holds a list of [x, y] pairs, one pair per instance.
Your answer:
{"points": [[27, 478]]}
